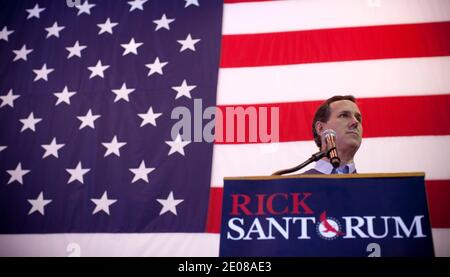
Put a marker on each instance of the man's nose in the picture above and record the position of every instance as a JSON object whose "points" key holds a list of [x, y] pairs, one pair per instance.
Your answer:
{"points": [[354, 122]]}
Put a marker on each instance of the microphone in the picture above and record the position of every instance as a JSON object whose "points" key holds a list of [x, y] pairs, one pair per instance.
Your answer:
{"points": [[331, 151]]}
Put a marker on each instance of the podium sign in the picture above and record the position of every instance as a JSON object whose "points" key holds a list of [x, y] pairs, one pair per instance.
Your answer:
{"points": [[326, 215]]}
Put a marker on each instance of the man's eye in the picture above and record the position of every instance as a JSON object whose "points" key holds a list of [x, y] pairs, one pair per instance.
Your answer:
{"points": [[343, 115]]}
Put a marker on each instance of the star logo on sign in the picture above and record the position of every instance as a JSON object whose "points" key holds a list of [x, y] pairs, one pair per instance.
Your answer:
{"points": [[34, 12], [17, 174], [42, 73], [141, 172], [54, 30], [4, 33], [107, 27], [38, 204], [131, 47], [97, 70], [149, 117], [137, 4], [51, 149], [102, 204], [22, 53], [188, 43], [88, 120], [177, 145], [156, 67], [122, 93], [64, 96], [77, 173], [75, 50], [85, 8], [163, 22], [169, 204], [8, 99], [183, 90], [30, 122], [113, 147]]}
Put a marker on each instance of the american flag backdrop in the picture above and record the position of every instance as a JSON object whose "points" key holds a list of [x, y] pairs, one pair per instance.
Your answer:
{"points": [[87, 162]]}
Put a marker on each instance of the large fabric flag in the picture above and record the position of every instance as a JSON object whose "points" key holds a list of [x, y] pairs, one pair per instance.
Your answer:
{"points": [[88, 145]]}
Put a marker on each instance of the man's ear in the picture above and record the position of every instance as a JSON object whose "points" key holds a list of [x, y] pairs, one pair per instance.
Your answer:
{"points": [[319, 127]]}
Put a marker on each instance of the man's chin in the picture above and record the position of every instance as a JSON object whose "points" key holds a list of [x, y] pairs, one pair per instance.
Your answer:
{"points": [[352, 145]]}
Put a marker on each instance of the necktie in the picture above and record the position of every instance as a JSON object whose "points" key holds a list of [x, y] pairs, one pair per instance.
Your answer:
{"points": [[345, 170], [341, 170]]}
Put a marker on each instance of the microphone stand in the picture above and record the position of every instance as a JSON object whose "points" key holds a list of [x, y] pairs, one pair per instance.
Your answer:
{"points": [[314, 158]]}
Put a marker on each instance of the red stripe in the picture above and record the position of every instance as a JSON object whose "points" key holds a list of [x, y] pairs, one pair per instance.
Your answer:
{"points": [[214, 210], [382, 117], [406, 116], [438, 194], [340, 44]]}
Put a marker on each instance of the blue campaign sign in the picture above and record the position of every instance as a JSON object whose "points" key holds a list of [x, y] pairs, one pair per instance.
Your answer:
{"points": [[333, 215]]}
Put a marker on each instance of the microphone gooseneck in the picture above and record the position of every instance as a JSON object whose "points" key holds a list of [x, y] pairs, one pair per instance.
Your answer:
{"points": [[314, 158]]}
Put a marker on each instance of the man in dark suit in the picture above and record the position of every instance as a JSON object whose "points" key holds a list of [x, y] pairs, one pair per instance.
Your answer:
{"points": [[341, 114]]}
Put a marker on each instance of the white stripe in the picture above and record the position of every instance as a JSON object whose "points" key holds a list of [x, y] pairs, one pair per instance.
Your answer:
{"points": [[132, 245], [429, 154], [88, 245], [441, 239], [370, 78], [279, 16]]}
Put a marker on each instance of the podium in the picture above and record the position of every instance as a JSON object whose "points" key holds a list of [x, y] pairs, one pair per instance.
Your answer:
{"points": [[353, 215]]}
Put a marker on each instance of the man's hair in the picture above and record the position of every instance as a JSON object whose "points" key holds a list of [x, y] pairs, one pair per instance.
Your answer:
{"points": [[323, 114]]}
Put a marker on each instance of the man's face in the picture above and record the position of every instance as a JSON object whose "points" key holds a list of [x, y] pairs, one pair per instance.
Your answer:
{"points": [[345, 119]]}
